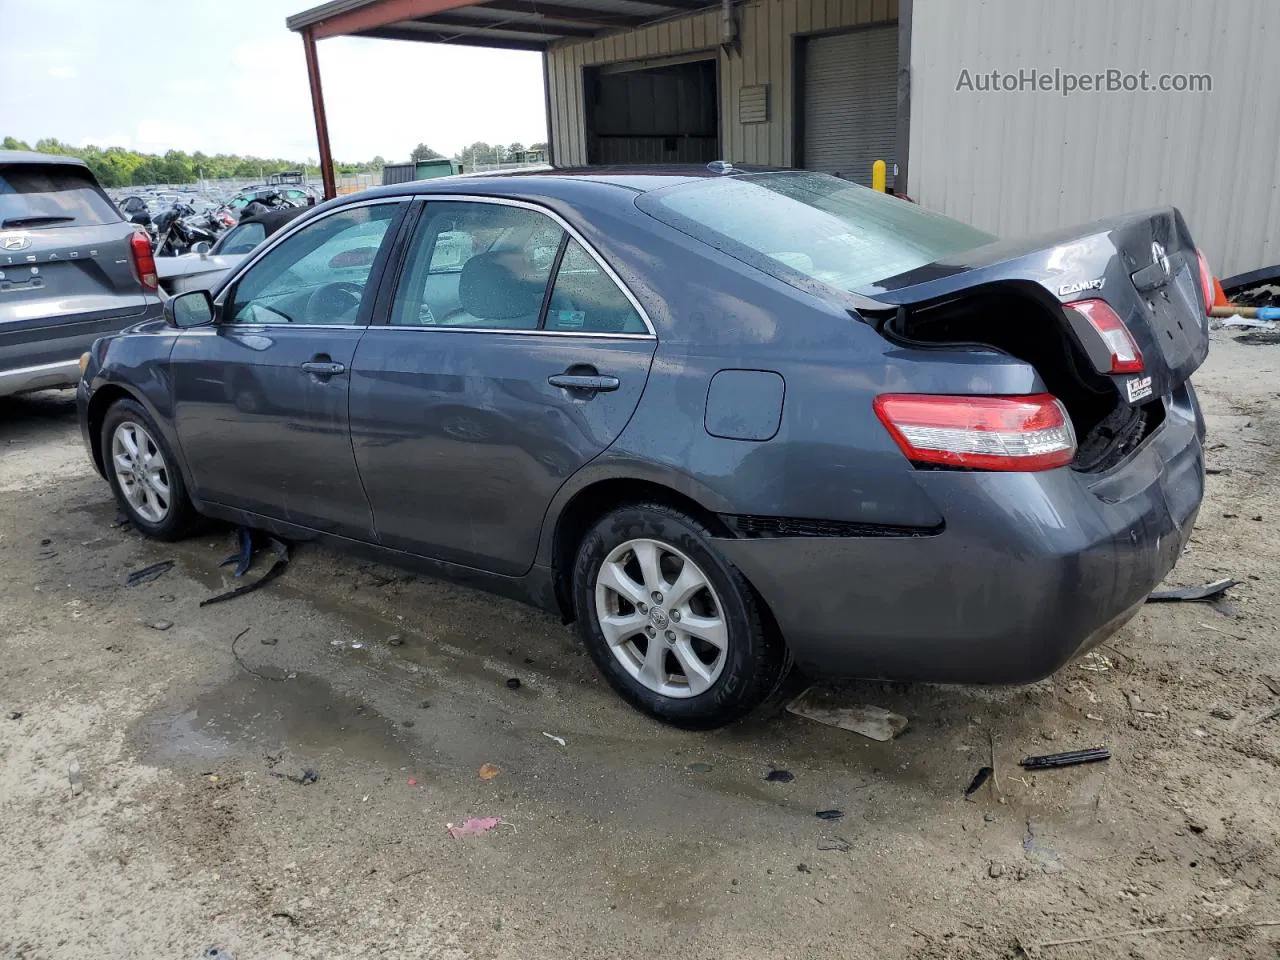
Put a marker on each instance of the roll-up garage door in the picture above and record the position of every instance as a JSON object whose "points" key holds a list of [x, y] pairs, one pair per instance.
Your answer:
{"points": [[851, 102]]}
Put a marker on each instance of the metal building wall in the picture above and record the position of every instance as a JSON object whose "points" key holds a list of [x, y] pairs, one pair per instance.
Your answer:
{"points": [[1022, 162], [766, 29]]}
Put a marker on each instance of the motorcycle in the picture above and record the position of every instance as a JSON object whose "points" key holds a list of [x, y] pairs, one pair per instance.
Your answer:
{"points": [[180, 228]]}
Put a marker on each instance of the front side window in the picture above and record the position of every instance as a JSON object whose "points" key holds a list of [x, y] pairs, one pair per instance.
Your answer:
{"points": [[810, 224], [243, 238], [478, 265], [319, 274]]}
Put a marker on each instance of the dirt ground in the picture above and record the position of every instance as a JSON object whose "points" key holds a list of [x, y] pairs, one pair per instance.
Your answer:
{"points": [[630, 839]]}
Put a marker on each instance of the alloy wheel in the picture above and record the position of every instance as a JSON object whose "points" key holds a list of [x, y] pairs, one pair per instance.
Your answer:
{"points": [[141, 471], [661, 617]]}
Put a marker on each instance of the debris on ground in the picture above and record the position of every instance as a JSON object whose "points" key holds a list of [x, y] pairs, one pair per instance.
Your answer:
{"points": [[215, 953], [147, 574], [803, 868], [780, 776], [829, 814], [473, 827], [876, 723], [1206, 591], [1217, 471], [161, 625], [75, 778], [269, 641], [243, 557], [1271, 683], [513, 683], [281, 552], [699, 767], [1269, 715], [549, 736], [15, 714], [307, 776], [489, 770], [838, 844], [979, 778], [395, 640], [1069, 758]]}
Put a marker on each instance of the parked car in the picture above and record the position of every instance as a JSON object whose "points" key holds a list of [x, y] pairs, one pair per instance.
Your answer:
{"points": [[722, 420], [203, 269], [71, 269]]}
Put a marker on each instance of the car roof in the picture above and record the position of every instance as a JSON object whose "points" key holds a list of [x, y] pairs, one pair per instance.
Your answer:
{"points": [[27, 156]]}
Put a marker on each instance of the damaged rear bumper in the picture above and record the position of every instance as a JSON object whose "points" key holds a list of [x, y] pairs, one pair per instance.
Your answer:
{"points": [[1030, 570]]}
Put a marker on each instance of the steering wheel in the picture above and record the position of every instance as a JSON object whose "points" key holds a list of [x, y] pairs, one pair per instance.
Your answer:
{"points": [[336, 302]]}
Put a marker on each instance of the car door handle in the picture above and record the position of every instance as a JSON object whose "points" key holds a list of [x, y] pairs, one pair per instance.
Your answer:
{"points": [[587, 383], [323, 368]]}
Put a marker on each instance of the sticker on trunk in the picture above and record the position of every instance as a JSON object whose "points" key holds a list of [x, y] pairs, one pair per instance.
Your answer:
{"points": [[1139, 388]]}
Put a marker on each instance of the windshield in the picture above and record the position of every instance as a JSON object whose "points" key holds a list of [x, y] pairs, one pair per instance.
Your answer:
{"points": [[821, 227], [52, 195]]}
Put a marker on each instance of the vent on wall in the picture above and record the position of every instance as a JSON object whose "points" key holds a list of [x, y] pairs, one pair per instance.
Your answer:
{"points": [[753, 103]]}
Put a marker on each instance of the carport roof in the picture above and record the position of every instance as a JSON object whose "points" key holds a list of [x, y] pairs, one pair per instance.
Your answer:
{"points": [[508, 24]]}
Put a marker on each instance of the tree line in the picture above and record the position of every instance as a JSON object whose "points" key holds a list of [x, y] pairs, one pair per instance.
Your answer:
{"points": [[121, 167]]}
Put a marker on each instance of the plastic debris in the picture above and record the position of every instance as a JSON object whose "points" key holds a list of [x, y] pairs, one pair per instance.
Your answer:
{"points": [[147, 574], [281, 551], [1204, 592], [243, 557], [161, 625], [307, 776], [979, 778], [269, 641], [513, 683], [876, 723], [215, 953], [1070, 758], [552, 736], [473, 827], [838, 844], [699, 767], [489, 770], [395, 640], [780, 776], [830, 814], [75, 778], [15, 714], [413, 782]]}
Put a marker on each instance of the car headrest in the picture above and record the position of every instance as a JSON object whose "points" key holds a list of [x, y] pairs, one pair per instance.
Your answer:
{"points": [[499, 285]]}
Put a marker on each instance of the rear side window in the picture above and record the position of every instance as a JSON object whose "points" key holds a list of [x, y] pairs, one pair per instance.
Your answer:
{"points": [[243, 239], [40, 195], [810, 225], [586, 300]]}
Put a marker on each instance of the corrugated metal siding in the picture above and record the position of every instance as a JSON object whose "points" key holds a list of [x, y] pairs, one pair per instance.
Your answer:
{"points": [[766, 30], [1022, 162], [851, 102]]}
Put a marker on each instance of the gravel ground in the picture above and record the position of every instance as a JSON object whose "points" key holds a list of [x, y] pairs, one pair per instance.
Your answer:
{"points": [[630, 838]]}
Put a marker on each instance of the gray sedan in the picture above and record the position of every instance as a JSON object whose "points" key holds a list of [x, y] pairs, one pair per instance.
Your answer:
{"points": [[725, 421]]}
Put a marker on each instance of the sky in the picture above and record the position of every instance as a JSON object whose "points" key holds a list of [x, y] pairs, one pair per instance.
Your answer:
{"points": [[227, 76]]}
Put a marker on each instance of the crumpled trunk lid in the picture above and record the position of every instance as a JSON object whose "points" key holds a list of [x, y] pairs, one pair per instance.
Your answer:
{"points": [[1144, 265]]}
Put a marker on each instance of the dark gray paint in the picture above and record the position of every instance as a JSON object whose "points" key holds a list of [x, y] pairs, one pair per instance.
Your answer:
{"points": [[467, 459]]}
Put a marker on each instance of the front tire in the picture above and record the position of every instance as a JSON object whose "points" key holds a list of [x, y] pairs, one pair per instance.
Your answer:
{"points": [[144, 474], [674, 627]]}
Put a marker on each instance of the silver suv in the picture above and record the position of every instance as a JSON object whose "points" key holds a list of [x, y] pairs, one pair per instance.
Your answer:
{"points": [[71, 270]]}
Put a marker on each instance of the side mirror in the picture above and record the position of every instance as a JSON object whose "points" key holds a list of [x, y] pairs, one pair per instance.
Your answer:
{"points": [[193, 309], [201, 247]]}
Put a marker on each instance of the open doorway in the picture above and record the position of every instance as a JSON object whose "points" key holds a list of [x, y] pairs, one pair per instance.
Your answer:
{"points": [[641, 113]]}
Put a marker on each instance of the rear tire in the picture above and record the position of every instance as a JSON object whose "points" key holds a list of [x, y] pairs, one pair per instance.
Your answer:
{"points": [[674, 627], [144, 474]]}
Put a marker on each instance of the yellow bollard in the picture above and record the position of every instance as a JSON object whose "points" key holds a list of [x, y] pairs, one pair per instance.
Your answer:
{"points": [[878, 176]]}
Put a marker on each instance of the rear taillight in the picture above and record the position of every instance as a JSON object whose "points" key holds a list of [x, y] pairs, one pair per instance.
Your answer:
{"points": [[144, 261], [1125, 355], [1206, 282], [980, 433]]}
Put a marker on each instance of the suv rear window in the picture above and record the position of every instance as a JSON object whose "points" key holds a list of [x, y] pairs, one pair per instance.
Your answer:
{"points": [[48, 195], [812, 225]]}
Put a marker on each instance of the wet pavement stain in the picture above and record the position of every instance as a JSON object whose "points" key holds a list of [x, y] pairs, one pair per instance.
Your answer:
{"points": [[303, 718]]}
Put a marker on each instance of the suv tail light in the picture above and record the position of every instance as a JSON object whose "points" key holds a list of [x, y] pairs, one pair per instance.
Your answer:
{"points": [[1125, 355], [144, 261], [1206, 282], [980, 433]]}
